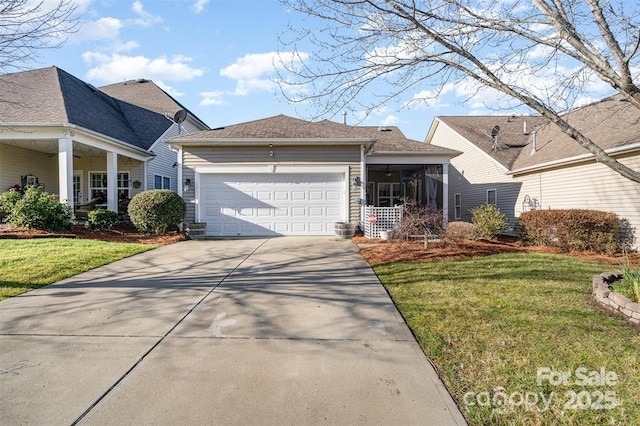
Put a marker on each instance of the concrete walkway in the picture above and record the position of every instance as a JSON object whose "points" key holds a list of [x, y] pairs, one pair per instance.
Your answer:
{"points": [[263, 331]]}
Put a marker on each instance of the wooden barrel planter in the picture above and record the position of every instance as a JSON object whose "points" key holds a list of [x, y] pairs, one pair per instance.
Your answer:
{"points": [[196, 231], [345, 230]]}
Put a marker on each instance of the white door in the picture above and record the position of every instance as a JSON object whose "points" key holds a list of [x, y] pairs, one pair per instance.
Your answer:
{"points": [[272, 204]]}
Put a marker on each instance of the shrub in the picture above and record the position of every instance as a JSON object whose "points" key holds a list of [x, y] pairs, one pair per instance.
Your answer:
{"points": [[102, 219], [418, 219], [40, 210], [8, 200], [579, 230], [489, 221], [156, 211], [462, 231]]}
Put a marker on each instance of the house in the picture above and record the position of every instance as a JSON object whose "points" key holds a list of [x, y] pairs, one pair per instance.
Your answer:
{"points": [[85, 143], [521, 163], [286, 176]]}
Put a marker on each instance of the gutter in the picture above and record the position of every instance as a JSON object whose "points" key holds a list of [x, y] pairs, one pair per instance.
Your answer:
{"points": [[576, 159], [270, 141]]}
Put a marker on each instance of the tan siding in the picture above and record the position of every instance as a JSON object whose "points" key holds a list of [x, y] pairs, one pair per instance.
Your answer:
{"points": [[290, 156], [588, 186], [16, 162], [472, 173]]}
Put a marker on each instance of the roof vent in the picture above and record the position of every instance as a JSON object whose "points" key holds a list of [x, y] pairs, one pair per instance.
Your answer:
{"points": [[384, 129], [142, 80]]}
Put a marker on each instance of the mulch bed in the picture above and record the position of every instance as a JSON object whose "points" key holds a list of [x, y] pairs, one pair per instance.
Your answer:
{"points": [[123, 233], [387, 251]]}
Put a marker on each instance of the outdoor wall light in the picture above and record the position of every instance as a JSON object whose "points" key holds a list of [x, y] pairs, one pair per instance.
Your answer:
{"points": [[356, 181], [187, 184]]}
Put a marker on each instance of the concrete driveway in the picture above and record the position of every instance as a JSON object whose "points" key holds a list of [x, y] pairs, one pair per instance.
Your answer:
{"points": [[258, 331]]}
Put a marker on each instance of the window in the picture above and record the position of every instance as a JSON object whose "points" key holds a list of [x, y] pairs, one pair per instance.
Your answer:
{"points": [[98, 186], [388, 194], [457, 206], [492, 196], [161, 182], [77, 187]]}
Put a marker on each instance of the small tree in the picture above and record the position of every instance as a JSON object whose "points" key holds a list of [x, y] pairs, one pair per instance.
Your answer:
{"points": [[417, 219], [490, 221], [156, 211]]}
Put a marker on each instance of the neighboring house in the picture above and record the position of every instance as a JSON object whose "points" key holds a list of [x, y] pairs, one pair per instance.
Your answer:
{"points": [[286, 176], [528, 163], [84, 143]]}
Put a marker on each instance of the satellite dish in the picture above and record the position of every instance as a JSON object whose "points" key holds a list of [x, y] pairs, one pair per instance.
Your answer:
{"points": [[180, 116], [495, 131]]}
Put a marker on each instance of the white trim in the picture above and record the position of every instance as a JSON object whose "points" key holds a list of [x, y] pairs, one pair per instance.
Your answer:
{"points": [[575, 159], [445, 195], [180, 177], [272, 168], [268, 141], [415, 158], [65, 171]]}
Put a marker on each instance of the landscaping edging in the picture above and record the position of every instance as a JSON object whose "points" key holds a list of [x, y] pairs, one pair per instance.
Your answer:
{"points": [[612, 300]]}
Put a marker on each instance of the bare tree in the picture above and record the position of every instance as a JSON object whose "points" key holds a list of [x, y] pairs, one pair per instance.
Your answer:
{"points": [[29, 26], [544, 54]]}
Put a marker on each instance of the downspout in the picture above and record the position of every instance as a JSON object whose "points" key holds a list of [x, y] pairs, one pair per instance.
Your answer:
{"points": [[363, 185]]}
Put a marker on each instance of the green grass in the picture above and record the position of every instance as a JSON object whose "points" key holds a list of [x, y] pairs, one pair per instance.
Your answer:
{"points": [[489, 323], [29, 264]]}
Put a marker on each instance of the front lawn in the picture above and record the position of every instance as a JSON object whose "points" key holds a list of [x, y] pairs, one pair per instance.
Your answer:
{"points": [[32, 263], [516, 341]]}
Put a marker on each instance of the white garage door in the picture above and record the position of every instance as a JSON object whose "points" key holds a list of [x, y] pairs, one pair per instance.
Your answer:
{"points": [[271, 204]]}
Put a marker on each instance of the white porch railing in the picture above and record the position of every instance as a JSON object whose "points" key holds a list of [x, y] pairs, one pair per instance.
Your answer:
{"points": [[378, 219]]}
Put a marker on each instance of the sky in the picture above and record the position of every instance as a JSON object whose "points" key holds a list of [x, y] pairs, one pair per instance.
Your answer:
{"points": [[216, 57]]}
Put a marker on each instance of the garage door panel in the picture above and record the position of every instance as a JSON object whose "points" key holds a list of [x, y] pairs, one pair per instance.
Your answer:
{"points": [[271, 204]]}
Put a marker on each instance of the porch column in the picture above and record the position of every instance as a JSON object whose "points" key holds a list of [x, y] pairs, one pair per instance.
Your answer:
{"points": [[65, 171], [445, 194], [112, 181]]}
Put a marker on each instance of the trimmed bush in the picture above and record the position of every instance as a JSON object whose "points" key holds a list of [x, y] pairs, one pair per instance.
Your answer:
{"points": [[8, 200], [39, 210], [156, 211], [579, 230], [462, 231], [102, 219], [489, 221]]}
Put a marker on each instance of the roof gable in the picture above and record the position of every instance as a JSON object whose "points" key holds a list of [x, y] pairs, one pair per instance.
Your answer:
{"points": [[282, 127], [513, 136], [610, 123]]}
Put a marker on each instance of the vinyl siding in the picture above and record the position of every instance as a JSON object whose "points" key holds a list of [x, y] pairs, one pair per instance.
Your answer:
{"points": [[165, 158], [16, 162], [587, 186], [472, 173], [194, 157]]}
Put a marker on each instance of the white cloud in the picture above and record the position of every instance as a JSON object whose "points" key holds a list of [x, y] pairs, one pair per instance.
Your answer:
{"points": [[255, 72], [116, 67], [170, 90], [199, 5], [390, 120], [102, 29], [145, 19], [212, 98]]}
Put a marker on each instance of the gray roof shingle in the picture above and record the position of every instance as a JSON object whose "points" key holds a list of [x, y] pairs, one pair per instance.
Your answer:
{"points": [[51, 95], [610, 123], [285, 127]]}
